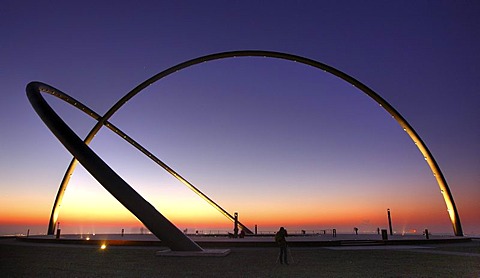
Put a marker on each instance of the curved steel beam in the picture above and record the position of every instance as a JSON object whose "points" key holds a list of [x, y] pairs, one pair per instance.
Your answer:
{"points": [[63, 96], [111, 181], [442, 183]]}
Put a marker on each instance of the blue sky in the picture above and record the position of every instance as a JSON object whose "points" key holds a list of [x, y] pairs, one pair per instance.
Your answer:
{"points": [[268, 138]]}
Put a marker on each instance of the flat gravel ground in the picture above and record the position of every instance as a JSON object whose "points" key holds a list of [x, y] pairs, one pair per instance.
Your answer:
{"points": [[61, 260]]}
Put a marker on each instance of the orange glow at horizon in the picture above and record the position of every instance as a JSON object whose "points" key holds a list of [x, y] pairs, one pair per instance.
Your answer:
{"points": [[210, 218], [86, 210], [207, 217], [402, 220]]}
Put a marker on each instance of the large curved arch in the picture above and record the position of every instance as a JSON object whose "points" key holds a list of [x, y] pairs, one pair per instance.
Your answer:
{"points": [[42, 87], [442, 183], [160, 226]]}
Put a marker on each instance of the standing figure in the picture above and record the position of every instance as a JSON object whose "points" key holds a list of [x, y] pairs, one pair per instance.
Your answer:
{"points": [[280, 239]]}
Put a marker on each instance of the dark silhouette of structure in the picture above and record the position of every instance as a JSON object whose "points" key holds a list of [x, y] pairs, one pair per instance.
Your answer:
{"points": [[235, 225], [113, 183], [37, 87], [390, 222]]}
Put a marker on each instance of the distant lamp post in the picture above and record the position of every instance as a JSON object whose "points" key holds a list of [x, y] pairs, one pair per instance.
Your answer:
{"points": [[389, 222], [235, 227]]}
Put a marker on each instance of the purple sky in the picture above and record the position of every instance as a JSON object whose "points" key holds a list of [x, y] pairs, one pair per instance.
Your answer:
{"points": [[238, 128]]}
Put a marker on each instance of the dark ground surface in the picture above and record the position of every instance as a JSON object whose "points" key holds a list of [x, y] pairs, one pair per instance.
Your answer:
{"points": [[23, 259]]}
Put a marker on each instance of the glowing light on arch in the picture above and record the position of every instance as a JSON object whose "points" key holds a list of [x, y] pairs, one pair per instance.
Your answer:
{"points": [[160, 226], [444, 189], [44, 88]]}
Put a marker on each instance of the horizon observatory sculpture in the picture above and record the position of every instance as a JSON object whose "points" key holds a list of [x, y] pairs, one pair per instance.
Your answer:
{"points": [[125, 194]]}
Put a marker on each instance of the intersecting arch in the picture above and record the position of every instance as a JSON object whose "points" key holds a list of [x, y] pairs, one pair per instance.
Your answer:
{"points": [[44, 88], [442, 183]]}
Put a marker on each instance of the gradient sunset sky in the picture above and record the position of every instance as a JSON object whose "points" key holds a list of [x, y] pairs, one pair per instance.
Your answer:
{"points": [[281, 143]]}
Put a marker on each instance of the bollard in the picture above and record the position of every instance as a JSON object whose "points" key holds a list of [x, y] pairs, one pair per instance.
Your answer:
{"points": [[384, 234]]}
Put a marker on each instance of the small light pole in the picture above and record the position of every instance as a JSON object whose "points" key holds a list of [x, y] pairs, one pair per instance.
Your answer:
{"points": [[390, 222], [235, 227]]}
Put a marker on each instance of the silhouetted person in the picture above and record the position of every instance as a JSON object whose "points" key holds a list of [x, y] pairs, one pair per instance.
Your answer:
{"points": [[242, 234], [280, 239]]}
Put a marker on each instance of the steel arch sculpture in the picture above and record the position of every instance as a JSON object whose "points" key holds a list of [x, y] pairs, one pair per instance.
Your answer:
{"points": [[160, 226], [41, 87], [441, 181]]}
